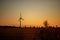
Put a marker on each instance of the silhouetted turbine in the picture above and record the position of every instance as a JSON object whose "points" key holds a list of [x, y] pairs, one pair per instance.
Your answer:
{"points": [[20, 19]]}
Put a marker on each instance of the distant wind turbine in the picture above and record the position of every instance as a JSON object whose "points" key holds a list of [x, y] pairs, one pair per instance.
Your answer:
{"points": [[20, 19]]}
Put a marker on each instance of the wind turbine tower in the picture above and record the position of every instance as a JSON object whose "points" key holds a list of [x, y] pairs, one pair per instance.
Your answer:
{"points": [[20, 19]]}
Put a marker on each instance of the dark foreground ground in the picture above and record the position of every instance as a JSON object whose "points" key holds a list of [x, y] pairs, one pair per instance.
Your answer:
{"points": [[26, 33]]}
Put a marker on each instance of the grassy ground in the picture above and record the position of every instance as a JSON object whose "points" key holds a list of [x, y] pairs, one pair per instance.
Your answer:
{"points": [[27, 33]]}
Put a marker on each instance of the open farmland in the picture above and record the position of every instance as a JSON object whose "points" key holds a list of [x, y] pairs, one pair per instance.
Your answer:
{"points": [[29, 33]]}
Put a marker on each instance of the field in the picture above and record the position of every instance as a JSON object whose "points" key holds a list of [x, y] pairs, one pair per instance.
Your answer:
{"points": [[29, 33]]}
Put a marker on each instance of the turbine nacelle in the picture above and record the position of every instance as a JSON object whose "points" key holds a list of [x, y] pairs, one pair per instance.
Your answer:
{"points": [[21, 19]]}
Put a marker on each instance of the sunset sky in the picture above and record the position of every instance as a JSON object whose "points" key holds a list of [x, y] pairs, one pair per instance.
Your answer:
{"points": [[34, 12]]}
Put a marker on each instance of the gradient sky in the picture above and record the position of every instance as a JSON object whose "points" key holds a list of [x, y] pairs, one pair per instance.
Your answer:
{"points": [[34, 12]]}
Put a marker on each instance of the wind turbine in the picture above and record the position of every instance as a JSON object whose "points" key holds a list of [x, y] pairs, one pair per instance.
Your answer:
{"points": [[20, 19]]}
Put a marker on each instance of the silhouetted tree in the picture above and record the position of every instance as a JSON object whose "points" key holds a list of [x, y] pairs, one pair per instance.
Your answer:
{"points": [[46, 23], [56, 25]]}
